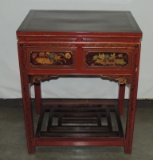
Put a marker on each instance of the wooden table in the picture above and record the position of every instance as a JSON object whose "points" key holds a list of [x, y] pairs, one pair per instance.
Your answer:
{"points": [[53, 44]]}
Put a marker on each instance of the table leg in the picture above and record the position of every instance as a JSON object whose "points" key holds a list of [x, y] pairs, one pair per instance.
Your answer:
{"points": [[37, 88], [121, 98], [26, 99], [131, 116], [28, 114]]}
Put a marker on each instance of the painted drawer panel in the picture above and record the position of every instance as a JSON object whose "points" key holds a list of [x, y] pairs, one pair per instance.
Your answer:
{"points": [[51, 58], [107, 58]]}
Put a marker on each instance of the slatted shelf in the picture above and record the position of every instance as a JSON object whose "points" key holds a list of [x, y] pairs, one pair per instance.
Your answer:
{"points": [[79, 121]]}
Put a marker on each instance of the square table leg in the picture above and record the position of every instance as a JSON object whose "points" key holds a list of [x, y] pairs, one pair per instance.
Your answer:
{"points": [[121, 98], [131, 115], [37, 88]]}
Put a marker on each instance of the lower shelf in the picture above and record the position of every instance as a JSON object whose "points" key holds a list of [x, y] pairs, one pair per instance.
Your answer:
{"points": [[80, 122]]}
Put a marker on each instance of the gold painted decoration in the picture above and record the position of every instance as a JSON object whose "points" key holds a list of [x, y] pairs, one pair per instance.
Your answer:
{"points": [[51, 58], [41, 78], [106, 59]]}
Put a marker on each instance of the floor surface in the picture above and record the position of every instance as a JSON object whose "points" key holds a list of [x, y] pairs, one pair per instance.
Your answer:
{"points": [[13, 141]]}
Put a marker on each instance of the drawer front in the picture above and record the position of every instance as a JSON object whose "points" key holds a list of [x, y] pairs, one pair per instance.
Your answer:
{"points": [[51, 58], [107, 58]]}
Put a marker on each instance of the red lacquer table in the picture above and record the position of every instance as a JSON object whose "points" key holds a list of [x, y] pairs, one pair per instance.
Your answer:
{"points": [[53, 44]]}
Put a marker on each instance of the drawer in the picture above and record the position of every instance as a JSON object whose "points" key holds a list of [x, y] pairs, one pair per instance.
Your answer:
{"points": [[107, 58], [51, 58]]}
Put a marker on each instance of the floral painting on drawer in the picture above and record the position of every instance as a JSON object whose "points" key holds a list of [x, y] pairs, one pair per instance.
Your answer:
{"points": [[51, 58], [106, 59]]}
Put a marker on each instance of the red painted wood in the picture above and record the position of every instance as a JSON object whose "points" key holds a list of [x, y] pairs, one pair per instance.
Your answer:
{"points": [[79, 141], [37, 88], [121, 98], [27, 108], [132, 105], [74, 102], [79, 32]]}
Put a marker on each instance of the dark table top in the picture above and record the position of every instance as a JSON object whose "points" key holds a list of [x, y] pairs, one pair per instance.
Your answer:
{"points": [[79, 21]]}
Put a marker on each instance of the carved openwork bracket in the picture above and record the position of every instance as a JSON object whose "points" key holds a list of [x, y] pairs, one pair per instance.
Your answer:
{"points": [[121, 79], [41, 78]]}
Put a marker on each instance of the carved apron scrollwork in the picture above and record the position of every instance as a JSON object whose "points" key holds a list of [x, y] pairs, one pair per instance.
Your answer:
{"points": [[41, 78], [126, 79]]}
